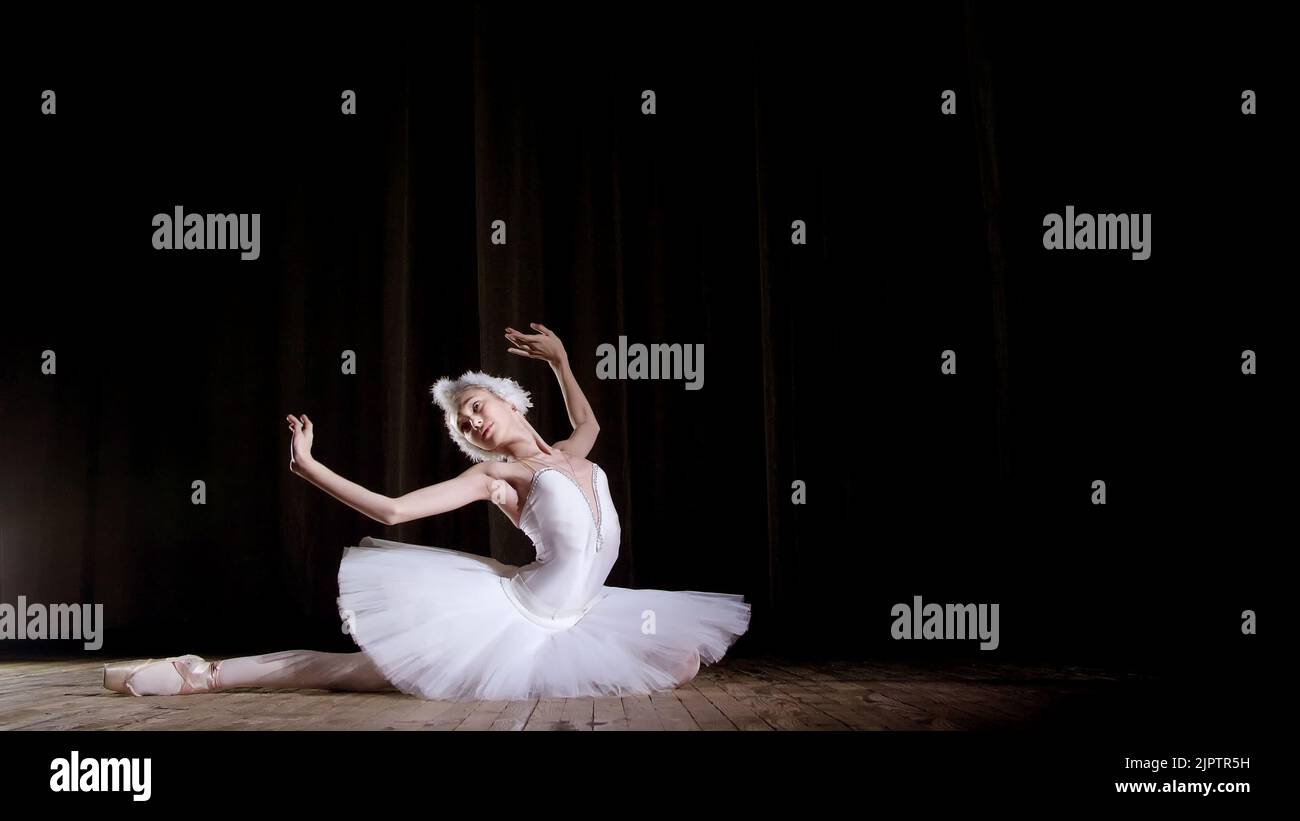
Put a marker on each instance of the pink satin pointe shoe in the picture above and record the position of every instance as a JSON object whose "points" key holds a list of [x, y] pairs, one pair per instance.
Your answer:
{"points": [[196, 676]]}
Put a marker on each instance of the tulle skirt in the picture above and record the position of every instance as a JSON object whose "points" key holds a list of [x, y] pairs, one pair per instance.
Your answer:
{"points": [[444, 624]]}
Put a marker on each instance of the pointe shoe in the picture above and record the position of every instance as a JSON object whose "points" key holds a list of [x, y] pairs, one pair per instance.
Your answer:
{"points": [[196, 675]]}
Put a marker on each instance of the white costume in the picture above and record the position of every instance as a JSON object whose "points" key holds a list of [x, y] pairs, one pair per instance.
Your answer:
{"points": [[445, 624]]}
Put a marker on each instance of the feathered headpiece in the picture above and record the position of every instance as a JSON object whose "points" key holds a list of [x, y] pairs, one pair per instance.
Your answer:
{"points": [[445, 391]]}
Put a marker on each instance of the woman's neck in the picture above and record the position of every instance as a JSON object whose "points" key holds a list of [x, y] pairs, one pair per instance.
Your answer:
{"points": [[538, 456]]}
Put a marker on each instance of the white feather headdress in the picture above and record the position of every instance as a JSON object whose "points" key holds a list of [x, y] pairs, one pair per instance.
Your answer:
{"points": [[445, 391]]}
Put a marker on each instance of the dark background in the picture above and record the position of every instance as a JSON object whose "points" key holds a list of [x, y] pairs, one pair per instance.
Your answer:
{"points": [[821, 361]]}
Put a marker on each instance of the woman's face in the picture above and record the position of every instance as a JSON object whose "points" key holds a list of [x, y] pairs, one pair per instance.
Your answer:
{"points": [[483, 417]]}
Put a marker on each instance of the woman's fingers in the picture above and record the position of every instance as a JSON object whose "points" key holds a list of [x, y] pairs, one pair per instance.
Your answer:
{"points": [[542, 332], [307, 423], [533, 346], [523, 345]]}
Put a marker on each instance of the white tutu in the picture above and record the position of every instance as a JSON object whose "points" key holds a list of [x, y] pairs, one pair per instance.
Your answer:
{"points": [[444, 624]]}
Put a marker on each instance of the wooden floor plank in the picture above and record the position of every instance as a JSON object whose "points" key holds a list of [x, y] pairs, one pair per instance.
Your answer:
{"points": [[735, 710], [547, 715], [453, 716], [483, 716], [747, 694], [608, 714], [705, 714], [641, 713], [514, 716], [673, 715]]}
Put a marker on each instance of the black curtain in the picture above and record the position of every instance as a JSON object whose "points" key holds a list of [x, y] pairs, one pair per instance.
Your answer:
{"points": [[821, 360]]}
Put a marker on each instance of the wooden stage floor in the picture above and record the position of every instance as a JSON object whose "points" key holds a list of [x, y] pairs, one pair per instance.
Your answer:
{"points": [[761, 693]]}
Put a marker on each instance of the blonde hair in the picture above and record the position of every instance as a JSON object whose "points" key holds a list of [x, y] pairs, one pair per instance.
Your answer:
{"points": [[446, 390]]}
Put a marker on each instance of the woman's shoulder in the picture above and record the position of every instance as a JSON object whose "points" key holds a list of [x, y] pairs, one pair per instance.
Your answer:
{"points": [[502, 470], [527, 469], [579, 464]]}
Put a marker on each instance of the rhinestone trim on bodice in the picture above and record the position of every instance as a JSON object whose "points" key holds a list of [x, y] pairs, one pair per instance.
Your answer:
{"points": [[597, 517]]}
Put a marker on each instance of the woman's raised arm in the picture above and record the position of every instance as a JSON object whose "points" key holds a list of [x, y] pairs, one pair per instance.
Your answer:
{"points": [[585, 426], [547, 346]]}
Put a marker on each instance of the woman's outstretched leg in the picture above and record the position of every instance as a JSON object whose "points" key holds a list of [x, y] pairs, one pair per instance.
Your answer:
{"points": [[303, 670], [289, 669]]}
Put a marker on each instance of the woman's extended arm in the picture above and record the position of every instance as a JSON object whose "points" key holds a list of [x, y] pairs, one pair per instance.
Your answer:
{"points": [[471, 486], [376, 506], [380, 508]]}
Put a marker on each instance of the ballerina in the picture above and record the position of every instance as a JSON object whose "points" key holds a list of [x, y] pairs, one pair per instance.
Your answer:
{"points": [[445, 624]]}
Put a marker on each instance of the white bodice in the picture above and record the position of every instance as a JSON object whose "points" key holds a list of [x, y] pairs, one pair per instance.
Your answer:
{"points": [[576, 548]]}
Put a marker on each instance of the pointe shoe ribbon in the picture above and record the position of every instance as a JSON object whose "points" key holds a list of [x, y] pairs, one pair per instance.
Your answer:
{"points": [[197, 675]]}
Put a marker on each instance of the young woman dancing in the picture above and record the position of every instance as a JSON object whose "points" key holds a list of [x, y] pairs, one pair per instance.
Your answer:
{"points": [[445, 624]]}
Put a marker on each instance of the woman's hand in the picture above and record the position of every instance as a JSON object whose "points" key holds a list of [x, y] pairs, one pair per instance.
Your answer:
{"points": [[300, 442], [542, 345]]}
